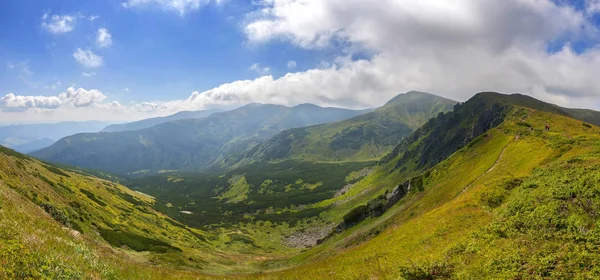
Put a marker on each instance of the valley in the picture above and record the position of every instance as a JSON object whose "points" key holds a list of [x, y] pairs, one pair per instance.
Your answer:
{"points": [[477, 179]]}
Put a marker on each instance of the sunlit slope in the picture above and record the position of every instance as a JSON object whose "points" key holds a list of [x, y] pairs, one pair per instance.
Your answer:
{"points": [[517, 202], [56, 223]]}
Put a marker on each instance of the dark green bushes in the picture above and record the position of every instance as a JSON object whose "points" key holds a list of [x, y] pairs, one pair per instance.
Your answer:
{"points": [[55, 170], [429, 272], [57, 214], [93, 197], [356, 215], [118, 238]]}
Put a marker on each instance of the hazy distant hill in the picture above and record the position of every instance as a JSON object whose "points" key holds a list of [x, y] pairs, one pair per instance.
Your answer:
{"points": [[30, 137], [34, 145], [146, 123], [189, 143]]}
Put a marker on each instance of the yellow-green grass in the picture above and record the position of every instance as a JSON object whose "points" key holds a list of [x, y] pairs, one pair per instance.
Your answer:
{"points": [[449, 225], [427, 225]]}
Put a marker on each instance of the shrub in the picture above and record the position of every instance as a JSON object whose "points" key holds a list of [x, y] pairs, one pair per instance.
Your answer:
{"points": [[55, 170], [356, 215], [93, 197], [429, 272], [135, 242], [57, 214]]}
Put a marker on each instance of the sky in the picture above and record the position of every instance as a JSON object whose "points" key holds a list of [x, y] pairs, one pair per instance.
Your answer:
{"points": [[118, 60]]}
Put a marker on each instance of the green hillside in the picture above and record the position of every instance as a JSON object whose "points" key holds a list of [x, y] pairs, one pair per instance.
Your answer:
{"points": [[484, 191], [515, 203], [365, 137], [190, 144]]}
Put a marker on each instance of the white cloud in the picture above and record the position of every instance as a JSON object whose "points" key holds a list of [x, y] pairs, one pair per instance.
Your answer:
{"points": [[259, 70], [291, 64], [81, 97], [93, 17], [103, 38], [71, 97], [88, 74], [88, 59], [17, 102], [180, 6], [455, 49], [126, 89], [58, 24]]}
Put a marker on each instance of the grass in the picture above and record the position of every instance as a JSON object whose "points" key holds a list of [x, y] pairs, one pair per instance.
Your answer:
{"points": [[238, 190], [517, 202]]}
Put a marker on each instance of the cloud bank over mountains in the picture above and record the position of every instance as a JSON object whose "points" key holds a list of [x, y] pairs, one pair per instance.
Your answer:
{"points": [[451, 48]]}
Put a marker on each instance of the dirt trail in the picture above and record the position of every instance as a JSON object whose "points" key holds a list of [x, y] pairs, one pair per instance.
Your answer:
{"points": [[493, 165]]}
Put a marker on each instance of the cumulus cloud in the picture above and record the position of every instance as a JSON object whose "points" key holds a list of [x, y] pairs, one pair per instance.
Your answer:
{"points": [[455, 49], [180, 6], [259, 70], [71, 97], [58, 24], [88, 74], [88, 59], [18, 102], [81, 97], [103, 38], [291, 64]]}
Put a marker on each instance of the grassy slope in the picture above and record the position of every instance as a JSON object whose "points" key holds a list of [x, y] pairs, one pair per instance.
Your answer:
{"points": [[38, 243], [541, 227], [471, 221], [365, 137]]}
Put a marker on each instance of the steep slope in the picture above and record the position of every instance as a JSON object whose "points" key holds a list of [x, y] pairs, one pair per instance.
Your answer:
{"points": [[365, 137], [186, 144], [517, 202], [13, 136], [146, 123], [59, 224]]}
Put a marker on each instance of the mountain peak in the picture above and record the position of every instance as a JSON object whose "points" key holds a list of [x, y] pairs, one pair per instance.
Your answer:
{"points": [[413, 96], [307, 105]]}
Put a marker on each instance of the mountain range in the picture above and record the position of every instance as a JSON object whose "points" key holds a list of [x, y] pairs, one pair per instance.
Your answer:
{"points": [[497, 187], [365, 137], [189, 144]]}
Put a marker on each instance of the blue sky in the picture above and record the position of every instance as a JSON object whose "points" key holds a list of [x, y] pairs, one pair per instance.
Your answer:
{"points": [[130, 59], [156, 54]]}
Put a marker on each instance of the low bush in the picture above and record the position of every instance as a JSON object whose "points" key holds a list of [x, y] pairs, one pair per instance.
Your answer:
{"points": [[118, 238]]}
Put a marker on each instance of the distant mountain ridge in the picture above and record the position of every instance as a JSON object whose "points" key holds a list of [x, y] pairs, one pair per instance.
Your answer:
{"points": [[189, 144], [34, 145], [29, 137], [146, 123], [364, 137]]}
